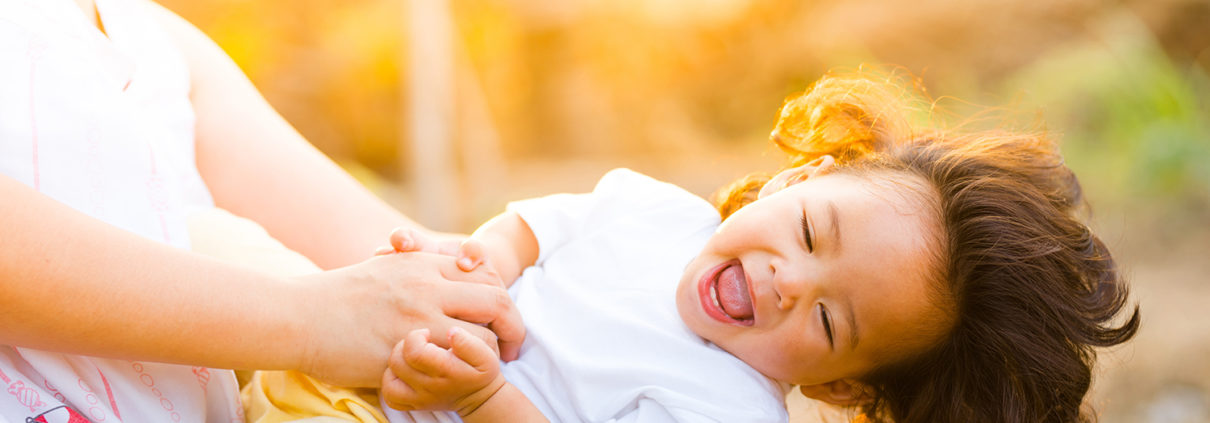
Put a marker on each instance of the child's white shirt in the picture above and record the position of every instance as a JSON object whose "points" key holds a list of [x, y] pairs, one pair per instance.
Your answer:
{"points": [[604, 340], [103, 124]]}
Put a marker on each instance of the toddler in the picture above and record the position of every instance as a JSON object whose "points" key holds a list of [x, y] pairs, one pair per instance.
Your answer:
{"points": [[911, 273]]}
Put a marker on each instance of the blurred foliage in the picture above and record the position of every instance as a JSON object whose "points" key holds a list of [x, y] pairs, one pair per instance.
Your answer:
{"points": [[1135, 124], [1123, 83], [551, 93]]}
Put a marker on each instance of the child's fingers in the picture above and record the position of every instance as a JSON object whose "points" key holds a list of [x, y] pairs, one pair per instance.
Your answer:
{"points": [[472, 350], [396, 393], [424, 356], [488, 304], [399, 380], [405, 240], [382, 251], [410, 347], [470, 255], [396, 364]]}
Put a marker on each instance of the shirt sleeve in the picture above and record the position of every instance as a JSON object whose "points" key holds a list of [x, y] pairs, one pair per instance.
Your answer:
{"points": [[559, 218]]}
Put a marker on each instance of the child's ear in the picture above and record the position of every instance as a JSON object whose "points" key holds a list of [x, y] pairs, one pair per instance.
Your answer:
{"points": [[795, 175], [844, 392]]}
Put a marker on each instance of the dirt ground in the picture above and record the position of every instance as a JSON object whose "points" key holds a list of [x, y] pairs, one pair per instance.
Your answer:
{"points": [[1164, 374]]}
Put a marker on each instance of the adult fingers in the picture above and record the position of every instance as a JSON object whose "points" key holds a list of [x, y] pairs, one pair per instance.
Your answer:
{"points": [[491, 306]]}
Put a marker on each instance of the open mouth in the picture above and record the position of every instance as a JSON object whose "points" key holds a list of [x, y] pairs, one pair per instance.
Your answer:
{"points": [[725, 295]]}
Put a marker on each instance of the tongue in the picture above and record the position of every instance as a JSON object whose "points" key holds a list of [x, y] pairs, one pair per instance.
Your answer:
{"points": [[733, 293]]}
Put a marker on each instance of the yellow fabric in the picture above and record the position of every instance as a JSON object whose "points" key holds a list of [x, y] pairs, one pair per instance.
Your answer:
{"points": [[284, 396], [277, 396]]}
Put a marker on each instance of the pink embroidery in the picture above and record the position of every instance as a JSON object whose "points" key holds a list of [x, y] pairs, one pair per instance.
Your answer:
{"points": [[26, 395], [149, 382], [203, 376], [113, 404], [93, 410], [239, 411], [53, 390]]}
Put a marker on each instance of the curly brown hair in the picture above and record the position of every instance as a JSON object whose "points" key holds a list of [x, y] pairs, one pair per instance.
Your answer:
{"points": [[1034, 291]]}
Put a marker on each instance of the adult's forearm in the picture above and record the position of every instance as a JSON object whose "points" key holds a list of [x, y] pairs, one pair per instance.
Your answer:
{"points": [[73, 284], [302, 199], [258, 166]]}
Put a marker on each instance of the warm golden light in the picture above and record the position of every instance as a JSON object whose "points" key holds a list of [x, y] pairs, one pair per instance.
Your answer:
{"points": [[528, 97]]}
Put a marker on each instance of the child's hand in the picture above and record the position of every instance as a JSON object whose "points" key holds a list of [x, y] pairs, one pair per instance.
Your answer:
{"points": [[469, 252], [423, 376]]}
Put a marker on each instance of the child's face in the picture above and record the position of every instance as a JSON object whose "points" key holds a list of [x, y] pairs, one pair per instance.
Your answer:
{"points": [[764, 293]]}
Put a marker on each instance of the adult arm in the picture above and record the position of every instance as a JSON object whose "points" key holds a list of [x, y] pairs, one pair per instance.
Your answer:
{"points": [[258, 166], [73, 284]]}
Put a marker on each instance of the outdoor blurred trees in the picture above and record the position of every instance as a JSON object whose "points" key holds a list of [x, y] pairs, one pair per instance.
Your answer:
{"points": [[548, 94], [615, 80]]}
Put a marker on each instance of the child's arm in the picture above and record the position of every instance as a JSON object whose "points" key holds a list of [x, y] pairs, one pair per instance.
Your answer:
{"points": [[465, 378], [508, 245], [509, 404]]}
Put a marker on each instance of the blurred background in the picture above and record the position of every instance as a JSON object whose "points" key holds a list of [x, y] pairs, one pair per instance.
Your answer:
{"points": [[451, 108]]}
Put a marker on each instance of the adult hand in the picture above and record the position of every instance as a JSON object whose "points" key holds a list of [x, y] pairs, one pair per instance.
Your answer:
{"points": [[360, 312]]}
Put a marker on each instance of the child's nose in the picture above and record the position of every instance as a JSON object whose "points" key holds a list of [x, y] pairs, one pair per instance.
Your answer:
{"points": [[791, 287]]}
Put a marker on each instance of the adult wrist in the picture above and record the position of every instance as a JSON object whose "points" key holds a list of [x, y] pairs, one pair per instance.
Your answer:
{"points": [[294, 332]]}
